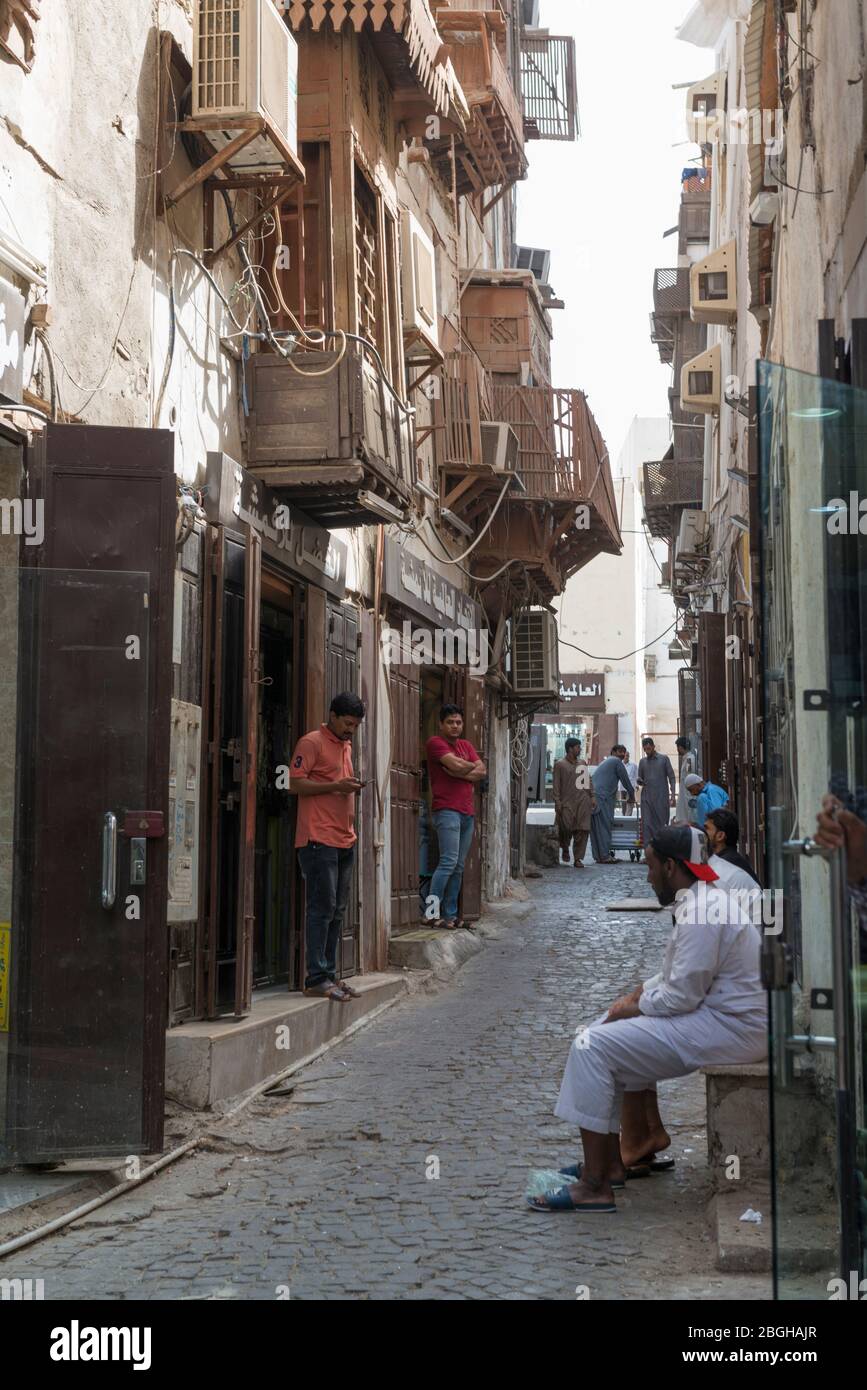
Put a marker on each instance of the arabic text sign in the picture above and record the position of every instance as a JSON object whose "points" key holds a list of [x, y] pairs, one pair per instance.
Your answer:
{"points": [[234, 497], [583, 693], [422, 590]]}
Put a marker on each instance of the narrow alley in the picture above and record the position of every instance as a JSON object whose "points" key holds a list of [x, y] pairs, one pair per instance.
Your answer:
{"points": [[325, 1193]]}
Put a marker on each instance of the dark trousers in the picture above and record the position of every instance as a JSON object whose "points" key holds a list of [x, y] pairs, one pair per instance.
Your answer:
{"points": [[577, 838], [328, 878]]}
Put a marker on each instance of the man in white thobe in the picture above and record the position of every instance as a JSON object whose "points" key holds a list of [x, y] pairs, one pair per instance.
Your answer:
{"points": [[706, 1007]]}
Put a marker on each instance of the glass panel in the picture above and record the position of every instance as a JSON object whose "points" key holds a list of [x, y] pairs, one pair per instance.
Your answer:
{"points": [[814, 471], [74, 720]]}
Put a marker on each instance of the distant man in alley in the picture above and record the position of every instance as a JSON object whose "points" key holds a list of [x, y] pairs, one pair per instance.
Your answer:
{"points": [[608, 774], [657, 782], [687, 768], [322, 778], [573, 803], [454, 770], [703, 797]]}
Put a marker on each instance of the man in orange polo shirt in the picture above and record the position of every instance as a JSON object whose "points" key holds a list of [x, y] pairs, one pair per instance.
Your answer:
{"points": [[321, 777]]}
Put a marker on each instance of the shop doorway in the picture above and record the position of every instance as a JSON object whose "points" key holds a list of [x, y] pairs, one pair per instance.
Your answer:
{"points": [[276, 943], [255, 718]]}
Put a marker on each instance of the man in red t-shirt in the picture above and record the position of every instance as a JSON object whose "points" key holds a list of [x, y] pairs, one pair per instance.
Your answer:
{"points": [[322, 778], [454, 768]]}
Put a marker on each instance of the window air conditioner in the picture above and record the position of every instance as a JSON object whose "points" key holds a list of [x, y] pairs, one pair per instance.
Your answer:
{"points": [[535, 646], [245, 63], [705, 108], [501, 447], [691, 537], [701, 383], [418, 281], [713, 288], [535, 259]]}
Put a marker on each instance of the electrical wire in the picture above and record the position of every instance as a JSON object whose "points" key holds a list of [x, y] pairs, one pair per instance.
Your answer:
{"points": [[456, 560], [52, 375], [625, 657], [317, 338]]}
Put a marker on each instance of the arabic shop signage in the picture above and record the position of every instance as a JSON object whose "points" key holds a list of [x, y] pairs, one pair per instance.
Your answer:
{"points": [[414, 585], [582, 694], [233, 497]]}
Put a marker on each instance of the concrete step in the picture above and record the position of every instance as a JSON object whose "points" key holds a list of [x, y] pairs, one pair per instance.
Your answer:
{"points": [[434, 949], [211, 1062], [743, 1247]]}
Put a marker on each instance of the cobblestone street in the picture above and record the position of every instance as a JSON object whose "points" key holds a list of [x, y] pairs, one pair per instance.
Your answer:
{"points": [[325, 1192]]}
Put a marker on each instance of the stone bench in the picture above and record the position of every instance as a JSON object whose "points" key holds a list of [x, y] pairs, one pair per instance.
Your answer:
{"points": [[738, 1121]]}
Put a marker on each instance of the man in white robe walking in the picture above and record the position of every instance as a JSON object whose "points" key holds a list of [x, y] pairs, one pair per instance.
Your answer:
{"points": [[706, 1007]]}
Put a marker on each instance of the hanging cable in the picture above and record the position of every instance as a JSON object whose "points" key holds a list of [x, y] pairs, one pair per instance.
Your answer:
{"points": [[594, 657]]}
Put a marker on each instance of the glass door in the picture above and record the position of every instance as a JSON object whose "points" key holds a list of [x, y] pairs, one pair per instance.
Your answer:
{"points": [[813, 434]]}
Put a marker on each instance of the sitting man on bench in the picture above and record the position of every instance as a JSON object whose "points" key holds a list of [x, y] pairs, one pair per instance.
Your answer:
{"points": [[706, 1007]]}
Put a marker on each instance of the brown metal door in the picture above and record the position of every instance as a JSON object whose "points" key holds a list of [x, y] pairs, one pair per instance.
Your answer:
{"points": [[341, 673], [89, 944], [405, 688]]}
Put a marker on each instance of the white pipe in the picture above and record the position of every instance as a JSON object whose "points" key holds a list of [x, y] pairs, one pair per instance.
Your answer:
{"points": [[59, 1222]]}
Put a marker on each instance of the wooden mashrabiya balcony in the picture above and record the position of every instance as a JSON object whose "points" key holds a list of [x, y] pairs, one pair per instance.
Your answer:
{"points": [[339, 445]]}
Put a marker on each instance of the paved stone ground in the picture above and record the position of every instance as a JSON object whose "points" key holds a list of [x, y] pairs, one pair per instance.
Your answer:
{"points": [[324, 1193]]}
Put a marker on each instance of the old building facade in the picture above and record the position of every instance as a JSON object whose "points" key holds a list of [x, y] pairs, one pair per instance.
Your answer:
{"points": [[281, 395]]}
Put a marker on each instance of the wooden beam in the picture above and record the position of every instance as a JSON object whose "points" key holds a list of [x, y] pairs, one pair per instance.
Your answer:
{"points": [[261, 212], [210, 166]]}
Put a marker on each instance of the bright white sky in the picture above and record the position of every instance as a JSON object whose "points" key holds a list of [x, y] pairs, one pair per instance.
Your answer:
{"points": [[602, 205]]}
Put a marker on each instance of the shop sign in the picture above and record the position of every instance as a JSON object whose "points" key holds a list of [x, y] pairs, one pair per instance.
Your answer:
{"points": [[582, 694], [233, 497], [418, 588]]}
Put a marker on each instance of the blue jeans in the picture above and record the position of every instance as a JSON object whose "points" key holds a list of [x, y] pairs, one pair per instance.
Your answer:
{"points": [[328, 876], [455, 835]]}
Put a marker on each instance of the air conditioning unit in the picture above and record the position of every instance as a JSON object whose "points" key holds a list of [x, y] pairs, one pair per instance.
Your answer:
{"points": [[650, 663], [705, 108], [713, 288], [245, 64], [535, 666], [533, 258], [691, 537], [701, 383], [501, 448], [419, 281]]}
